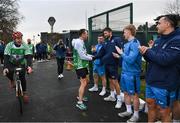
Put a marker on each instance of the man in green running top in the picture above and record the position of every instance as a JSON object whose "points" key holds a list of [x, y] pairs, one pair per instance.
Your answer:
{"points": [[81, 59], [17, 55]]}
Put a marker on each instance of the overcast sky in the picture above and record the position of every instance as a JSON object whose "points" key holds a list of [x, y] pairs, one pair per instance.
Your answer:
{"points": [[71, 14]]}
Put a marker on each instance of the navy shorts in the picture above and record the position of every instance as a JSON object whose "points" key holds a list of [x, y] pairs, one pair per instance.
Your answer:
{"points": [[111, 71]]}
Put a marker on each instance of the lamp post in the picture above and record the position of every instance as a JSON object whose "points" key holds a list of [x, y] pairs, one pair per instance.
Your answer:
{"points": [[51, 21]]}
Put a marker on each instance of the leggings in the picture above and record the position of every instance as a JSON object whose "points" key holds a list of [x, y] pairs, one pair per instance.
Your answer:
{"points": [[60, 64]]}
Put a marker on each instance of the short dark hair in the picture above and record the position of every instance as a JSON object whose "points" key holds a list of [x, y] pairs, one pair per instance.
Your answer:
{"points": [[101, 35], [107, 29], [173, 19], [81, 31]]}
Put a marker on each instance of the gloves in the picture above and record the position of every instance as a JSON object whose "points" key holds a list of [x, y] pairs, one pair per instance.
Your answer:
{"points": [[93, 58], [29, 70], [5, 71]]}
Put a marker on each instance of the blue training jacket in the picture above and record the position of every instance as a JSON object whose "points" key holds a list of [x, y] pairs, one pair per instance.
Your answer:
{"points": [[98, 61], [105, 53], [131, 58], [163, 58]]}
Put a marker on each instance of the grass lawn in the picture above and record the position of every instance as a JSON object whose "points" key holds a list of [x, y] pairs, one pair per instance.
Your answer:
{"points": [[143, 89]]}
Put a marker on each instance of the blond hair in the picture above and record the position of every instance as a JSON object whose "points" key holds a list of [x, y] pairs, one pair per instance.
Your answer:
{"points": [[131, 28]]}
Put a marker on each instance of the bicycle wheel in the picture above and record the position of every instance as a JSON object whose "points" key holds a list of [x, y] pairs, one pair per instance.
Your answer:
{"points": [[20, 99]]}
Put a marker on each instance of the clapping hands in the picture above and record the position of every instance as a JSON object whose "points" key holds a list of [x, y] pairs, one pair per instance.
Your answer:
{"points": [[115, 55], [143, 49], [151, 43], [119, 50]]}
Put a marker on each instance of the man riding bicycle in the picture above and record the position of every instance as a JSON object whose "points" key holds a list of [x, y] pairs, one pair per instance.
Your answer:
{"points": [[17, 55]]}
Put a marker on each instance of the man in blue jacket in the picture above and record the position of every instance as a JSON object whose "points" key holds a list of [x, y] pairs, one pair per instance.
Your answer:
{"points": [[98, 68], [111, 64], [162, 76], [130, 74], [60, 57]]}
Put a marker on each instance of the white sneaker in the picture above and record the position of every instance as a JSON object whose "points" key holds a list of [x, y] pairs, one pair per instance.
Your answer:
{"points": [[59, 76], [93, 89], [133, 119], [161, 122], [102, 93], [110, 98], [62, 75], [124, 114], [118, 104]]}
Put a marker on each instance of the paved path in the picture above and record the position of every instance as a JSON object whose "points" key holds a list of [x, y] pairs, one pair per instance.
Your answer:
{"points": [[54, 100]]}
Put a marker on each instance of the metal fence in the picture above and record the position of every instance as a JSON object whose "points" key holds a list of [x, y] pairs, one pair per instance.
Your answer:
{"points": [[116, 19]]}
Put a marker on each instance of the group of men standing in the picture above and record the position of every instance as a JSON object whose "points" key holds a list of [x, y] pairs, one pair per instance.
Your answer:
{"points": [[162, 77], [41, 51]]}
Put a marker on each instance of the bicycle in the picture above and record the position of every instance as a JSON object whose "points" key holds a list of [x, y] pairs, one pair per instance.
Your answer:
{"points": [[18, 89]]}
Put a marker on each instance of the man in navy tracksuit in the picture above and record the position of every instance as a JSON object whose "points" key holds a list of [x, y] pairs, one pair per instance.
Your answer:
{"points": [[111, 64], [163, 76], [38, 52], [44, 50]]}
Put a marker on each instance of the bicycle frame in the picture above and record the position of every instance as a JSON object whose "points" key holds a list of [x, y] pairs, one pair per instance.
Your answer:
{"points": [[18, 89]]}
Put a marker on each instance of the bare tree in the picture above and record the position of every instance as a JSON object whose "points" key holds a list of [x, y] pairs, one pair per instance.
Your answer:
{"points": [[9, 17], [173, 7]]}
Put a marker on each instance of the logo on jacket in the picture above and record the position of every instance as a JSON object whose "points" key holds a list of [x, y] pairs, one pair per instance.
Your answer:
{"points": [[164, 46], [112, 41], [155, 45]]}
